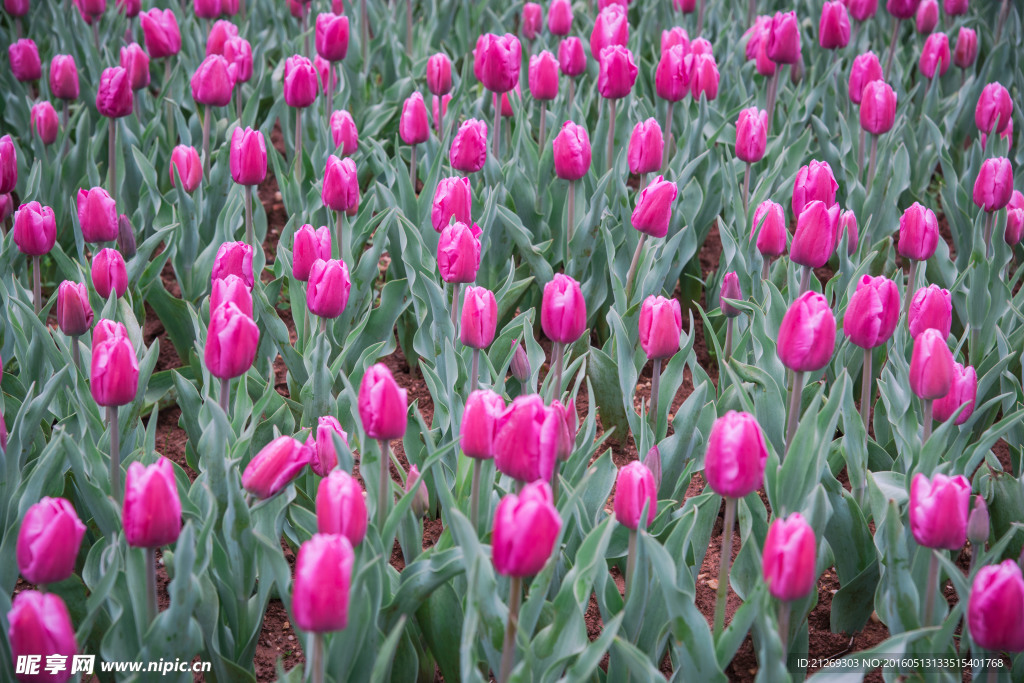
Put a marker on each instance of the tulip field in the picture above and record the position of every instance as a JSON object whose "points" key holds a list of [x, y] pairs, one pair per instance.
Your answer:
{"points": [[454, 340]]}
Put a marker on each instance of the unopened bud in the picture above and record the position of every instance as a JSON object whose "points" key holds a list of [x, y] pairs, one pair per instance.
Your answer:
{"points": [[977, 523], [125, 237], [520, 363], [420, 499], [652, 461], [730, 290]]}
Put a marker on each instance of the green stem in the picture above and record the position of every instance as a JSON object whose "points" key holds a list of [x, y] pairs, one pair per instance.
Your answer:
{"points": [[408, 28], [558, 355], [455, 308], [860, 156], [37, 285], [866, 393], [631, 275], [384, 486], [412, 168], [723, 568], [225, 397], [112, 157], [989, 227], [75, 353], [508, 649], [871, 160], [746, 189], [474, 496], [206, 142], [728, 338], [611, 133], [773, 86], [892, 47], [364, 31], [911, 284], [151, 603], [805, 280], [655, 382], [497, 127], [474, 375], [668, 138], [298, 143], [794, 407], [785, 609], [115, 454], [927, 427], [931, 588], [631, 561], [571, 210], [543, 128], [168, 106], [318, 658], [250, 237], [766, 268]]}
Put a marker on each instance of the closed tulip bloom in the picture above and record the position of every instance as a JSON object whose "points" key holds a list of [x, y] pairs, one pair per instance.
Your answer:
{"points": [[966, 49], [234, 258], [931, 366], [325, 456], [458, 252], [185, 164], [238, 52], [919, 233], [341, 507], [751, 134], [297, 8], [848, 226], [74, 314], [938, 510], [878, 108], [571, 152], [479, 428], [382, 404], [564, 428], [35, 229], [340, 190], [90, 10], [676, 35], [114, 95], [231, 289], [756, 36], [135, 61], [231, 342], [978, 521], [783, 46], [610, 28], [902, 9], [48, 541], [479, 318], [275, 466], [646, 147], [526, 440], [815, 238], [211, 82], [439, 74], [220, 33], [24, 58], [954, 7], [635, 488], [207, 9], [704, 75], [152, 509], [439, 107], [543, 76], [661, 325], [40, 627], [730, 290], [994, 185], [468, 152], [995, 611], [301, 83], [617, 72], [97, 215], [927, 16], [452, 199], [332, 33], [533, 20], [526, 527], [653, 211], [248, 156], [685, 6], [789, 558], [129, 8], [413, 125], [572, 60], [309, 245], [16, 8], [771, 240], [807, 335], [994, 110], [6, 207], [344, 132], [520, 365], [736, 455], [834, 27], [114, 372], [963, 392], [1014, 224], [935, 55], [873, 312], [931, 308], [109, 273], [866, 68], [64, 77], [44, 122], [328, 288], [160, 29], [563, 312], [496, 61], [323, 578], [560, 17], [814, 181]]}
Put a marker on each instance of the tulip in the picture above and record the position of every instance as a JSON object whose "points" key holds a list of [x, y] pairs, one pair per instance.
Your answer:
{"points": [[469, 147], [211, 86], [114, 381], [439, 74], [560, 17], [870, 320], [526, 439], [815, 238], [233, 258], [452, 199], [48, 541], [866, 68], [479, 429], [1014, 220], [653, 211], [109, 273], [995, 610], [935, 56], [954, 7], [730, 290], [24, 58], [931, 372], [572, 60], [931, 308], [300, 82], [97, 215], [757, 44], [963, 392], [231, 289], [152, 509], [114, 96], [382, 409], [927, 16], [248, 162], [35, 229], [661, 324], [496, 62], [771, 240], [646, 149], [610, 28], [64, 77], [966, 49], [992, 191], [420, 496], [275, 466], [814, 181], [340, 193], [684, 6], [479, 320], [571, 152], [676, 35], [238, 52], [805, 343], [135, 61], [74, 314], [788, 560], [919, 236], [877, 116], [160, 30], [834, 27], [543, 77], [703, 75], [220, 33], [324, 460], [309, 245], [231, 342], [994, 110], [977, 526], [938, 512], [43, 122], [344, 132], [783, 46], [634, 490], [320, 594], [40, 627], [332, 35], [533, 20], [902, 9], [328, 289], [617, 73], [185, 165], [751, 141], [563, 317], [414, 128], [16, 8], [207, 9], [6, 208]]}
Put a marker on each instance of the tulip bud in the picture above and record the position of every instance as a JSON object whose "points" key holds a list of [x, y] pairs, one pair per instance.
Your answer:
{"points": [[40, 627], [300, 82], [126, 236], [995, 610], [344, 132], [938, 510], [526, 439], [789, 558], [469, 147], [866, 68], [572, 60], [878, 108], [186, 165], [994, 110], [160, 29], [275, 466], [935, 55], [675, 36], [479, 427], [902, 9], [234, 290], [248, 156], [64, 77], [24, 58], [771, 240], [962, 392], [479, 317], [571, 152], [382, 404], [563, 312], [783, 46], [340, 190], [220, 33], [520, 365], [736, 455], [653, 211], [44, 123], [135, 61], [526, 527], [652, 461], [807, 335], [931, 366], [152, 509], [238, 52], [815, 236], [413, 126], [751, 134], [927, 16], [635, 488], [97, 215], [421, 498], [977, 524], [560, 17], [661, 325], [328, 288], [646, 148], [873, 312], [458, 253], [234, 258], [114, 95], [309, 245], [109, 273], [74, 314], [439, 108], [834, 27], [1014, 223], [533, 20], [496, 61], [617, 72], [114, 372], [207, 9], [325, 457], [323, 577], [543, 76], [332, 34], [610, 28], [954, 7], [848, 227], [231, 342], [211, 82], [814, 181], [48, 541], [730, 290], [994, 184], [16, 8], [452, 199], [439, 74], [919, 233], [931, 308], [341, 506], [35, 228], [703, 76], [966, 48]]}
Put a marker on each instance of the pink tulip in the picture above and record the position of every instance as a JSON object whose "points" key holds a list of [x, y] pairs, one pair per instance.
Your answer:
{"points": [[344, 132], [109, 273], [275, 466], [74, 314], [807, 335], [848, 226], [309, 245], [16, 8], [938, 510], [526, 527], [661, 325], [685, 6], [35, 228], [646, 148], [64, 77], [931, 366], [954, 7], [496, 61], [994, 184], [526, 439], [634, 489], [676, 35], [873, 312], [220, 33], [382, 404], [152, 509], [479, 429], [789, 561], [814, 181], [963, 392], [97, 215], [238, 52], [878, 108], [563, 312], [439, 74], [323, 577], [653, 211], [866, 68], [1014, 224], [413, 126], [935, 55], [234, 290], [211, 82], [931, 308], [325, 457], [783, 45], [751, 134], [730, 291], [543, 76], [341, 507], [248, 156], [328, 288], [571, 152], [966, 50], [704, 75], [469, 147], [834, 27], [610, 28], [301, 83], [452, 199], [564, 428], [40, 627], [160, 29], [479, 318], [736, 455], [185, 164], [332, 34], [814, 241], [995, 610], [572, 60], [978, 522], [233, 258], [114, 95], [340, 189], [560, 17], [771, 240], [994, 110], [617, 72], [44, 123], [48, 541], [24, 58], [207, 9], [902, 9], [927, 16], [231, 342], [533, 20], [919, 233]]}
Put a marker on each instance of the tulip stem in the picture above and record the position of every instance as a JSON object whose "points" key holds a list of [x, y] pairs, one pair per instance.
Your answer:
{"points": [[571, 210], [866, 393], [75, 354], [225, 397], [65, 116], [927, 419], [805, 280], [725, 559], [408, 28], [385, 480], [892, 46], [455, 307], [412, 168], [298, 143], [871, 161], [112, 159], [728, 338], [206, 142], [1004, 11], [96, 33], [364, 31], [794, 407], [543, 128], [497, 127], [766, 268], [773, 86], [37, 285], [115, 453], [558, 355], [751, 11], [572, 94], [151, 603], [911, 284], [329, 91], [860, 155], [700, 18], [655, 381], [990, 220], [474, 496], [630, 561], [611, 133], [631, 275], [318, 658], [474, 375], [168, 106], [668, 138], [746, 189], [993, 671], [250, 238], [508, 649], [785, 609], [931, 588]]}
